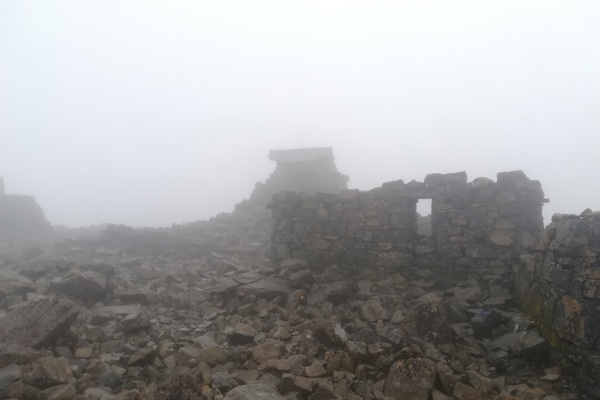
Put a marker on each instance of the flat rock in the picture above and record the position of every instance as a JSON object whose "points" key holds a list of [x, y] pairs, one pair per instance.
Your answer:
{"points": [[46, 372], [135, 321], [130, 295], [254, 391], [336, 292], [87, 286], [38, 322], [118, 310], [19, 390], [267, 288], [266, 351], [61, 392], [528, 344], [212, 356]]}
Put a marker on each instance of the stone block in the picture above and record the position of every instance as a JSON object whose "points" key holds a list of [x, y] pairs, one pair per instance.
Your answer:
{"points": [[38, 322], [512, 178], [441, 179], [591, 288], [477, 251], [484, 194], [577, 320], [393, 259], [505, 223], [502, 237], [571, 233]]}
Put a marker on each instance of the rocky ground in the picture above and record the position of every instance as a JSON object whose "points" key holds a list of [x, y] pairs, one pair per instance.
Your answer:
{"points": [[198, 312]]}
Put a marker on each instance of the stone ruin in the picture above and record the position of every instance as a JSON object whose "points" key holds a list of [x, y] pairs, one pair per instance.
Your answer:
{"points": [[558, 284], [486, 237], [479, 228], [354, 303], [301, 170], [21, 218]]}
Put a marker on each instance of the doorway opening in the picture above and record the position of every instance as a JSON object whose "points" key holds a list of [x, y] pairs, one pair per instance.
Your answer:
{"points": [[424, 223]]}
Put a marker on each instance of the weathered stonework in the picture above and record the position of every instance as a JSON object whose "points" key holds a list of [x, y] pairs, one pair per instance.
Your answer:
{"points": [[478, 228], [311, 170], [558, 284], [21, 218]]}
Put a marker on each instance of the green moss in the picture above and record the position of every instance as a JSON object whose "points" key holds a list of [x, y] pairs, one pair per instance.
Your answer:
{"points": [[541, 310]]}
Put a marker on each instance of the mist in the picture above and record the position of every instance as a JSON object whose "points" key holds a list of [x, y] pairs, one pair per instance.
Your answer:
{"points": [[152, 113]]}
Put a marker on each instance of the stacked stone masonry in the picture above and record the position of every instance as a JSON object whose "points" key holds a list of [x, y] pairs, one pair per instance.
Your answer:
{"points": [[479, 228], [311, 170], [558, 284], [21, 218]]}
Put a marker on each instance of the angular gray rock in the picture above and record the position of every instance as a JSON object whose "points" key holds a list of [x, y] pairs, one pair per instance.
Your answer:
{"points": [[254, 391], [410, 379], [46, 372], [87, 286], [527, 344], [38, 322], [12, 282], [12, 353]]}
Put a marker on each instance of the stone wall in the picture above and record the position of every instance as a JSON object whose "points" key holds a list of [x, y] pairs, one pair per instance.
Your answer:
{"points": [[320, 175], [305, 172], [478, 228], [559, 286], [22, 219]]}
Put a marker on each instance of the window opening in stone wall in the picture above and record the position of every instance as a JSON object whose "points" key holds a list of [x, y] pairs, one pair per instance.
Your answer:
{"points": [[424, 226]]}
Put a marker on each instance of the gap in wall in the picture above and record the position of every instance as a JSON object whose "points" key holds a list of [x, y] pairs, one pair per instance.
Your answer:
{"points": [[424, 225]]}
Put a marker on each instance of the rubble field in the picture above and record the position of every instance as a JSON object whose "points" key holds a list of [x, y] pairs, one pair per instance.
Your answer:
{"points": [[199, 312]]}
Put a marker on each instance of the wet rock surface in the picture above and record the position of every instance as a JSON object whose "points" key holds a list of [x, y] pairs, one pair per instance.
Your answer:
{"points": [[199, 312]]}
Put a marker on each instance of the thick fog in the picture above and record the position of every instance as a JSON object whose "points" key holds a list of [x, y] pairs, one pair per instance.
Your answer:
{"points": [[157, 112]]}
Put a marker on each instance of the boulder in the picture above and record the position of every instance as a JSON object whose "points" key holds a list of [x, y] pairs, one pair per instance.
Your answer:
{"points": [[130, 295], [38, 322], [12, 282], [195, 384], [410, 379], [254, 391], [87, 286], [432, 322], [46, 372], [266, 351], [528, 344], [12, 353], [266, 288]]}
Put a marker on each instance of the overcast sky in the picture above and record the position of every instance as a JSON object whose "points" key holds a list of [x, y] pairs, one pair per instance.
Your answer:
{"points": [[157, 112]]}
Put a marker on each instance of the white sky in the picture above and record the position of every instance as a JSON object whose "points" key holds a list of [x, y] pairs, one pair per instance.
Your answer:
{"points": [[154, 112]]}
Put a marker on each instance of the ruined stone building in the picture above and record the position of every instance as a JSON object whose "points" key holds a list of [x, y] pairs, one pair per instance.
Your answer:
{"points": [[21, 218], [478, 228], [300, 170], [486, 236]]}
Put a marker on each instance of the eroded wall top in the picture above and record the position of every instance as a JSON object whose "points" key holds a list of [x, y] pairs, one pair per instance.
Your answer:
{"points": [[481, 226]]}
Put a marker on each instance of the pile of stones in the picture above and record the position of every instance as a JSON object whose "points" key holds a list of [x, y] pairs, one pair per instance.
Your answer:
{"points": [[171, 319]]}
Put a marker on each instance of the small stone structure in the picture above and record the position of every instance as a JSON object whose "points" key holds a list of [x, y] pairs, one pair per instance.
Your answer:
{"points": [[479, 228], [301, 170], [485, 232], [558, 284], [21, 218]]}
